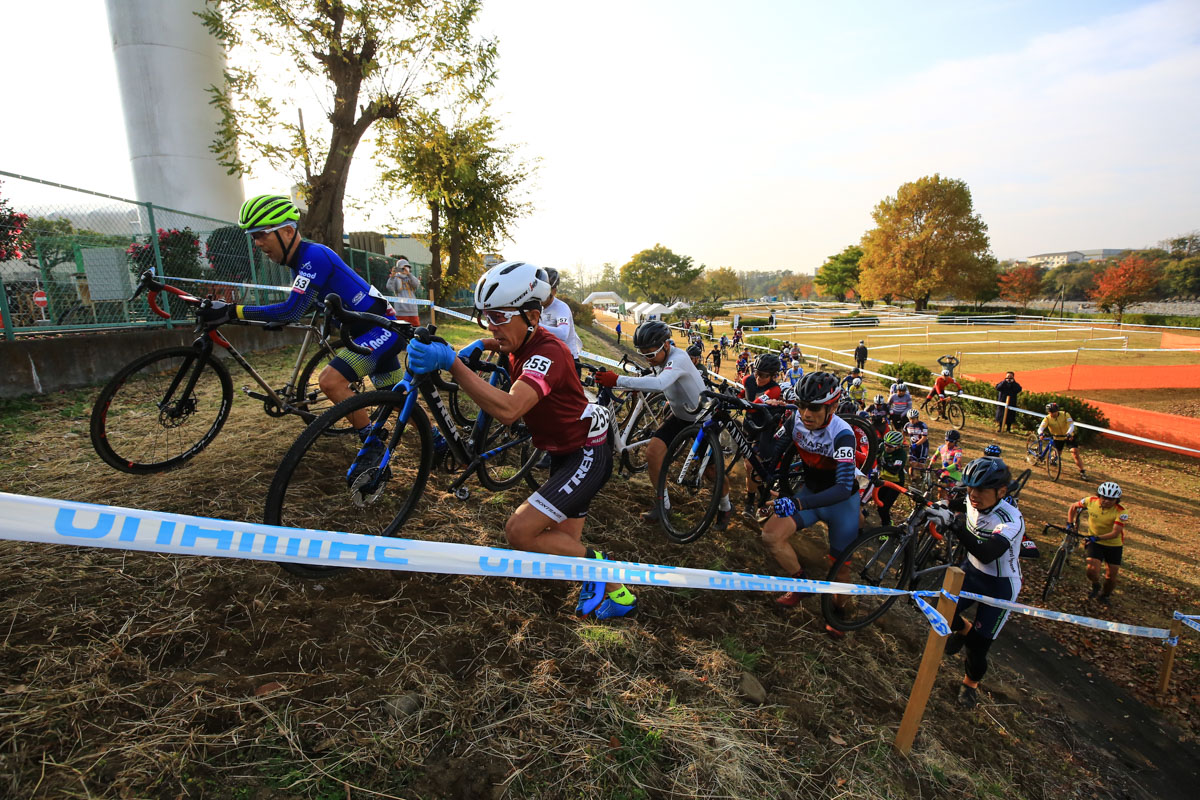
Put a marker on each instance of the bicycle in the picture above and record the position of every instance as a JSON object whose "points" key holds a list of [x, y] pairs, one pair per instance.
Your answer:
{"points": [[337, 483], [637, 418], [695, 470], [163, 408], [1040, 451], [909, 556], [949, 408], [1058, 564]]}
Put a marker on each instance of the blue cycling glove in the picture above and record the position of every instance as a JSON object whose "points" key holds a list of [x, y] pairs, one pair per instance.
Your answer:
{"points": [[785, 507], [1091, 540], [424, 358], [471, 350]]}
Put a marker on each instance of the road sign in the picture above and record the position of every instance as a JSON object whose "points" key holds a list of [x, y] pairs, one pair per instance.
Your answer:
{"points": [[39, 299]]}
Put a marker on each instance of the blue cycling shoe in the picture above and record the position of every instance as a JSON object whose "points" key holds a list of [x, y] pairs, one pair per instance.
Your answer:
{"points": [[610, 609], [591, 595]]}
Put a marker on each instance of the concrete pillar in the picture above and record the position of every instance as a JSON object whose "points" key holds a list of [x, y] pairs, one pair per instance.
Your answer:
{"points": [[166, 60]]}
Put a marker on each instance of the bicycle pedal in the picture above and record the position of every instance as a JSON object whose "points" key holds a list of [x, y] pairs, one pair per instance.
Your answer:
{"points": [[254, 395]]}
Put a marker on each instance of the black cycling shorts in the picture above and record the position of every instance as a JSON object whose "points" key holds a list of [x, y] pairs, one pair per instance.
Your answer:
{"points": [[672, 426], [1059, 444], [575, 478], [1106, 553]]}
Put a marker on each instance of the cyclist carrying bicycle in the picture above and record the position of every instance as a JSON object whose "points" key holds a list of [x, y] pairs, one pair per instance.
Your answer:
{"points": [[826, 445], [893, 464], [794, 374], [879, 414], [547, 394], [1059, 425], [678, 378], [992, 536], [743, 364], [715, 354], [1107, 519], [899, 404], [938, 392], [950, 456], [918, 437], [272, 222], [761, 388], [858, 393]]}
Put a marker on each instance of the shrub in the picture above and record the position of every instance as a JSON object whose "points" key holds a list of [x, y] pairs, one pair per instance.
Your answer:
{"points": [[755, 322], [965, 318], [584, 315], [854, 320], [908, 371]]}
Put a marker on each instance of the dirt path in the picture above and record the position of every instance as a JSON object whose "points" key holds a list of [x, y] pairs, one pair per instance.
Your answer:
{"points": [[1148, 759]]}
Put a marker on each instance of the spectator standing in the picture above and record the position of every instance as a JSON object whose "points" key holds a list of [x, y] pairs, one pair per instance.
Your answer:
{"points": [[618, 331], [402, 283], [948, 362], [860, 354], [1006, 392]]}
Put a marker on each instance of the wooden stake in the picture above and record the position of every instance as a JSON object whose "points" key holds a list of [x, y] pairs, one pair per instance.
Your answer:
{"points": [[431, 318], [935, 645], [1164, 675]]}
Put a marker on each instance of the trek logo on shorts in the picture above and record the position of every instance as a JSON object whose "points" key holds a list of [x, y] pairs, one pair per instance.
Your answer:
{"points": [[300, 285], [539, 364], [585, 466]]}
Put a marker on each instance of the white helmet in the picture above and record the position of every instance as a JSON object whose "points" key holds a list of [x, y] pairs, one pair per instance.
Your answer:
{"points": [[1109, 491], [946, 372], [513, 284], [795, 362], [914, 414], [856, 382]]}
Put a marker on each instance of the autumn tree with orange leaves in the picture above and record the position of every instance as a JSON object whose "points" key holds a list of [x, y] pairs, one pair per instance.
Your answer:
{"points": [[1125, 283], [1021, 284]]}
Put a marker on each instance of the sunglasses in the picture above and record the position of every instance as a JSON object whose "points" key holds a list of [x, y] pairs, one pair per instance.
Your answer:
{"points": [[261, 234], [497, 317], [811, 406], [653, 352]]}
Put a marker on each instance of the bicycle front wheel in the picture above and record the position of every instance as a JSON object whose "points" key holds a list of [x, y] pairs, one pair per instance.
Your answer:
{"points": [[1053, 463], [693, 479], [880, 558], [319, 485], [1054, 574], [956, 416], [147, 420], [644, 426], [1032, 446]]}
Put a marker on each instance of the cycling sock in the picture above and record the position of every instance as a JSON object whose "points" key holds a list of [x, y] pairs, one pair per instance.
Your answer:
{"points": [[593, 554], [364, 431], [1108, 587], [968, 682], [622, 596], [725, 505]]}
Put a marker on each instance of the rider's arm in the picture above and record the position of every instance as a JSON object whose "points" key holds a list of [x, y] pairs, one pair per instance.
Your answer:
{"points": [[650, 383], [1043, 425], [1118, 528], [299, 300], [1074, 509], [1070, 426], [844, 484], [508, 407], [987, 547]]}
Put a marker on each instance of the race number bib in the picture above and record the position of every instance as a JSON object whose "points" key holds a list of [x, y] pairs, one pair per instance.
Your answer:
{"points": [[300, 285], [599, 417], [537, 364]]}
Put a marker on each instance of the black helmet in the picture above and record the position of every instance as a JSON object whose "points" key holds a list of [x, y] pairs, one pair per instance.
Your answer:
{"points": [[819, 388], [695, 350], [651, 334], [1051, 408], [953, 435], [552, 277], [986, 473], [768, 363]]}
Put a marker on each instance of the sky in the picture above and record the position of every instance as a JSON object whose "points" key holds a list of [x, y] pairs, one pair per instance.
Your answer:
{"points": [[757, 135]]}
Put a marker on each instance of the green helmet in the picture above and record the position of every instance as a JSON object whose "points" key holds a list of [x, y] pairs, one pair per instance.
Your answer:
{"points": [[893, 439], [267, 211]]}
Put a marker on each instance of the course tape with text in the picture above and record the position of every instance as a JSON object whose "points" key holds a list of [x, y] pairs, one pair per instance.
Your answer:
{"points": [[1074, 619], [38, 519]]}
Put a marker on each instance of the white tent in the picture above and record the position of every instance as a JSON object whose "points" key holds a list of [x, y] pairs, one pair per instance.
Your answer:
{"points": [[636, 309], [653, 310], [678, 304], [605, 298]]}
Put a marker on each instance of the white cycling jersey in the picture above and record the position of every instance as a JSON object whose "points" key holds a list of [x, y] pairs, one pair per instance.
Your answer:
{"points": [[678, 378], [1003, 519], [557, 319]]}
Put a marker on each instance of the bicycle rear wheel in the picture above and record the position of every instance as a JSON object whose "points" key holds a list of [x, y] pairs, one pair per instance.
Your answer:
{"points": [[693, 479], [311, 488], [955, 414], [1054, 574], [1053, 463], [865, 441], [145, 421], [880, 557], [515, 457]]}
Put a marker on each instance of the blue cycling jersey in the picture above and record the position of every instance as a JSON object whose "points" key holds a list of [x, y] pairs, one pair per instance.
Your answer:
{"points": [[319, 272]]}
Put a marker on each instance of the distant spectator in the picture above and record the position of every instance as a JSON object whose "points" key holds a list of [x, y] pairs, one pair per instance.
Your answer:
{"points": [[860, 354], [402, 283], [618, 331], [948, 362], [1006, 390]]}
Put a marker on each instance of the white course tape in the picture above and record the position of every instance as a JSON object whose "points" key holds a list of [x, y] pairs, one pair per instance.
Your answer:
{"points": [[1074, 619], [1189, 619], [38, 519]]}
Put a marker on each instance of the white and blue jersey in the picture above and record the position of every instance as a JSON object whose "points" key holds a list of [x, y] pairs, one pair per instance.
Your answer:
{"points": [[830, 492]]}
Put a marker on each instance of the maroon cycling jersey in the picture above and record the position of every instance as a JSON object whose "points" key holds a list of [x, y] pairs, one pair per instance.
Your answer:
{"points": [[562, 421]]}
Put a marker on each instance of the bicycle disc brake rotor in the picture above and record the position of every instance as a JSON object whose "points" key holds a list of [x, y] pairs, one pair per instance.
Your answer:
{"points": [[366, 488], [176, 412]]}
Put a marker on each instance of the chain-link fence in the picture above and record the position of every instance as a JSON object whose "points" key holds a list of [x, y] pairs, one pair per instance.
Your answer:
{"points": [[69, 259]]}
